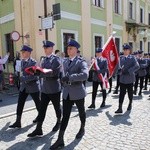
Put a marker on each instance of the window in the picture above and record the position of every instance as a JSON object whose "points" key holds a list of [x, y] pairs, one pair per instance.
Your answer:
{"points": [[98, 42], [130, 10], [98, 3], [66, 38], [148, 47], [141, 45], [131, 44], [9, 46], [149, 19], [141, 15], [117, 41], [117, 6]]}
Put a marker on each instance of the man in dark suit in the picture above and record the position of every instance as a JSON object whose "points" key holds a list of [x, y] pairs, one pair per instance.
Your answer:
{"points": [[127, 67], [50, 88], [103, 69], [29, 85], [75, 72]]}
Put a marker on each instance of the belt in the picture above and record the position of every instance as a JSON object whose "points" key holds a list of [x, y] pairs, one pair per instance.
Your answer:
{"points": [[30, 81], [73, 83], [49, 78]]}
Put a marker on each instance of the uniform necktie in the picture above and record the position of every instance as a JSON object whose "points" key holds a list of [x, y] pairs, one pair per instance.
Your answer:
{"points": [[70, 61]]}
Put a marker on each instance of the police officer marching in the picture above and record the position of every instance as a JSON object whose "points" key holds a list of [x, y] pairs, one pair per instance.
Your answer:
{"points": [[127, 67], [118, 77], [147, 77], [146, 57], [29, 85], [75, 72], [50, 88], [141, 73], [103, 69]]}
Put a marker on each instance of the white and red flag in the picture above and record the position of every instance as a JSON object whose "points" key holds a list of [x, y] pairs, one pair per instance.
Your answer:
{"points": [[104, 78], [111, 54]]}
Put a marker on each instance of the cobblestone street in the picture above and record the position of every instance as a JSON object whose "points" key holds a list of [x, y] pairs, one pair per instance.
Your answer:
{"points": [[104, 129]]}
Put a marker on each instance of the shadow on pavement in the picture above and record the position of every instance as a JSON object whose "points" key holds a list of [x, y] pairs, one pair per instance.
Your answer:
{"points": [[73, 144], [7, 134], [10, 99], [42, 143], [146, 92], [136, 97], [115, 96], [93, 112], [119, 119]]}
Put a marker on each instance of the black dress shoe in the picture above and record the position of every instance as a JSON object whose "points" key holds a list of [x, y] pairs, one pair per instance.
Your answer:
{"points": [[36, 132], [109, 91], [59, 144], [92, 106], [80, 133], [129, 107], [15, 125], [140, 94], [115, 92], [102, 105], [118, 111], [134, 92], [35, 120], [56, 127]]}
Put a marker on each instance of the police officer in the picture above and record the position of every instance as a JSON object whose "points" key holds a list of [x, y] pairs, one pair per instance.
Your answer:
{"points": [[118, 76], [141, 73], [50, 88], [75, 72], [103, 69], [29, 85], [127, 67], [147, 77]]}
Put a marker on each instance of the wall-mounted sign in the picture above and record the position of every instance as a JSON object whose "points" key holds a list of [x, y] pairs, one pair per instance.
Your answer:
{"points": [[15, 36], [47, 23]]}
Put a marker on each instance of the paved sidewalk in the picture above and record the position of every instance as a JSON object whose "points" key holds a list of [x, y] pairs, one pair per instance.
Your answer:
{"points": [[104, 129], [9, 101]]}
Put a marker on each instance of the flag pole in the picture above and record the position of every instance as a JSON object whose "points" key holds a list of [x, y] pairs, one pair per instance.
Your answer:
{"points": [[91, 64]]}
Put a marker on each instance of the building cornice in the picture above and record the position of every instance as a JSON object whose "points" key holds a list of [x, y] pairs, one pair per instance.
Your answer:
{"points": [[7, 18]]}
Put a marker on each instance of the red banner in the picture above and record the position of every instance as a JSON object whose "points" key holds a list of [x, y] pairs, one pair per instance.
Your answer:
{"points": [[100, 76], [111, 54], [34, 69]]}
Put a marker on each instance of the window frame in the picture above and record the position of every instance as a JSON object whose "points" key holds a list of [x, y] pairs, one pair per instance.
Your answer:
{"points": [[98, 3], [141, 45], [102, 42], [119, 7], [149, 18], [120, 43], [148, 47], [142, 21], [133, 9], [69, 32]]}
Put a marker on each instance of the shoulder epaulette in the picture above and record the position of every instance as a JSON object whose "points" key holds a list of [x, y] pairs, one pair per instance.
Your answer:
{"points": [[33, 60]]}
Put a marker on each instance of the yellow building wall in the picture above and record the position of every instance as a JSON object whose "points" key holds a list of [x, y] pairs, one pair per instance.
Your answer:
{"points": [[86, 28]]}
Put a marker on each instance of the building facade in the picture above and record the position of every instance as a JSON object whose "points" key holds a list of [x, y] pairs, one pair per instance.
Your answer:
{"points": [[90, 22]]}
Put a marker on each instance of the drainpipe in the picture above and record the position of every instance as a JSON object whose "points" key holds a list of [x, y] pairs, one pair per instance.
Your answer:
{"points": [[45, 15]]}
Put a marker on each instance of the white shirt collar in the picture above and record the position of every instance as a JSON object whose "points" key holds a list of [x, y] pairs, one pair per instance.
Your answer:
{"points": [[26, 59], [72, 58], [49, 55]]}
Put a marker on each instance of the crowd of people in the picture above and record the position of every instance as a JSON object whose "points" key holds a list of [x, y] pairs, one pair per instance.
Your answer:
{"points": [[68, 75]]}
